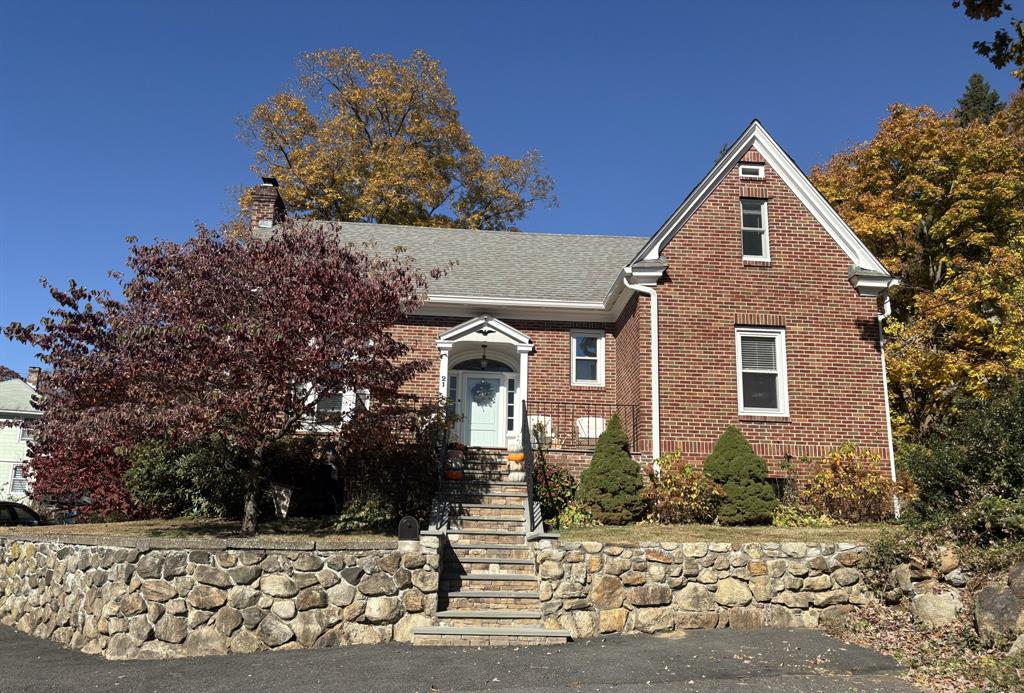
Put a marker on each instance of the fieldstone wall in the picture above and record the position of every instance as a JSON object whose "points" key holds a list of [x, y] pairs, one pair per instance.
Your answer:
{"points": [[592, 588], [173, 598]]}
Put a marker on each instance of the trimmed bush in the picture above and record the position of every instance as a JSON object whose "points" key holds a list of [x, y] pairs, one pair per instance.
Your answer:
{"points": [[743, 476], [611, 487], [680, 494], [848, 485]]}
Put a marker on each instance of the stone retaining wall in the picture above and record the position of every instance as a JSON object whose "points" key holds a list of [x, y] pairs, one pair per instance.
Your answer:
{"points": [[592, 588], [171, 598]]}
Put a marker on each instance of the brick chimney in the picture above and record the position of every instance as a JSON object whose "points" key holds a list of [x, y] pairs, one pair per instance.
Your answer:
{"points": [[33, 377], [267, 205]]}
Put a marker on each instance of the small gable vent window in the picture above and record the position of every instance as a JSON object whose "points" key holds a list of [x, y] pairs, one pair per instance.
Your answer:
{"points": [[754, 226], [761, 371], [751, 170]]}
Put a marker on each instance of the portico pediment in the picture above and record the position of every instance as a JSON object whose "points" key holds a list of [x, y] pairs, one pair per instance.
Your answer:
{"points": [[484, 328]]}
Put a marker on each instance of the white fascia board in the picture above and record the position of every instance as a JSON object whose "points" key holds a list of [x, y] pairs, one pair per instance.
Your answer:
{"points": [[440, 299], [755, 135], [514, 312]]}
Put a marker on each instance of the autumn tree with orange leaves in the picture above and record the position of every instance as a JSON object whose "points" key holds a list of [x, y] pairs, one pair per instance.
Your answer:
{"points": [[379, 139], [942, 205]]}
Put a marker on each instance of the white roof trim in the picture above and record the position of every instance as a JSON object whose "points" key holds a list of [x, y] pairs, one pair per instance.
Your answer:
{"points": [[755, 135], [476, 324]]}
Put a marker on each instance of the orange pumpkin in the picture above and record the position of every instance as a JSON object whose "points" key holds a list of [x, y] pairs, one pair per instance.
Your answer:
{"points": [[453, 474], [516, 457]]}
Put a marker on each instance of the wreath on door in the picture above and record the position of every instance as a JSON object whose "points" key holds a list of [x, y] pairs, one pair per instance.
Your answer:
{"points": [[483, 393]]}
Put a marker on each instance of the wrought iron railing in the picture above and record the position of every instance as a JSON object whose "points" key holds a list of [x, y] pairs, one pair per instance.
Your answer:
{"points": [[527, 436], [577, 425]]}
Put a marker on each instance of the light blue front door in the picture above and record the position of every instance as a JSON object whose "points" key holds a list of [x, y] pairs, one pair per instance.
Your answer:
{"points": [[483, 398]]}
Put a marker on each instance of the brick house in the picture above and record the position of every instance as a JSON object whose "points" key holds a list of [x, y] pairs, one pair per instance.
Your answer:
{"points": [[753, 305]]}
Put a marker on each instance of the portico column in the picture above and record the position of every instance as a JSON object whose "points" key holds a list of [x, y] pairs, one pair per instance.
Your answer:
{"points": [[443, 349], [524, 377]]}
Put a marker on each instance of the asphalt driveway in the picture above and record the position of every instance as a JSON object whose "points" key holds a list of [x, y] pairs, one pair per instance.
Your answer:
{"points": [[716, 660]]}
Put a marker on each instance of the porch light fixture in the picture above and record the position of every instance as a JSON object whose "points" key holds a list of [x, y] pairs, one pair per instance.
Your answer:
{"points": [[483, 356]]}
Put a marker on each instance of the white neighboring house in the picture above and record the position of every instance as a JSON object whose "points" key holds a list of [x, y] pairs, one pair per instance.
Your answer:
{"points": [[15, 406]]}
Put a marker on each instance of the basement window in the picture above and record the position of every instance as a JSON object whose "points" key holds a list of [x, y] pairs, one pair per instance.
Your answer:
{"points": [[761, 371]]}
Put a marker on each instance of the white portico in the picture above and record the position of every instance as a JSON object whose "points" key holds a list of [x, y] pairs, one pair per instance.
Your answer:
{"points": [[484, 374]]}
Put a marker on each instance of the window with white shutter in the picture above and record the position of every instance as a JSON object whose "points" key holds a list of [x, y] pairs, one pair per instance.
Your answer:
{"points": [[19, 485], [761, 371]]}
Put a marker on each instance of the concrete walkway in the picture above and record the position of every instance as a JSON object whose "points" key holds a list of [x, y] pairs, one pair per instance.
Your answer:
{"points": [[717, 660]]}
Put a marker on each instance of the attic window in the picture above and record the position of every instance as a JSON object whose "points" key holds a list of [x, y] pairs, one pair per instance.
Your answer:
{"points": [[751, 170], [754, 227]]}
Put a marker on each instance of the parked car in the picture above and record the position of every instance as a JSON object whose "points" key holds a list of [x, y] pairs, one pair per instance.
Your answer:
{"points": [[12, 514]]}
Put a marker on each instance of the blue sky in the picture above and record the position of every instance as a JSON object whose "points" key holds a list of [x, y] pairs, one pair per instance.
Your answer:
{"points": [[119, 118]]}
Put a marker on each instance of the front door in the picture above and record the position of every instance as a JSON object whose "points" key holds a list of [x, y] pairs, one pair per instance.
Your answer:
{"points": [[483, 397]]}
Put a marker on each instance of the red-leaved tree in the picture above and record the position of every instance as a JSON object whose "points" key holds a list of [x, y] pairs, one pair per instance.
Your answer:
{"points": [[214, 337]]}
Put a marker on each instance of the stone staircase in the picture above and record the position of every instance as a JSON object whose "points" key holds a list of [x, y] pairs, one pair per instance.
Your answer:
{"points": [[488, 593]]}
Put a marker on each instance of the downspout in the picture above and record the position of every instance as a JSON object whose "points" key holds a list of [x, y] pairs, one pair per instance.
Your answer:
{"points": [[655, 381], [886, 312]]}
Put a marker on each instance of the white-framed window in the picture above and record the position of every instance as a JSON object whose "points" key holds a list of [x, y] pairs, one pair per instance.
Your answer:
{"points": [[25, 432], [510, 405], [587, 347], [751, 170], [754, 227], [761, 371], [339, 407], [19, 485]]}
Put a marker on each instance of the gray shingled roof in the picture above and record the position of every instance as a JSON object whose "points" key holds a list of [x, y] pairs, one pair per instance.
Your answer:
{"points": [[502, 264], [16, 395]]}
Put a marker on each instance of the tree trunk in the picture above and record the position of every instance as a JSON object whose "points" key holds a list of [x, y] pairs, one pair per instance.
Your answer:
{"points": [[250, 513]]}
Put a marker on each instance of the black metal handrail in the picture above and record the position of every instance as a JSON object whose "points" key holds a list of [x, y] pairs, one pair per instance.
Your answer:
{"points": [[527, 436], [577, 425]]}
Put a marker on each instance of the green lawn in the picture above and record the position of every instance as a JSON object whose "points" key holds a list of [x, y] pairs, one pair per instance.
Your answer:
{"points": [[184, 527], [633, 534]]}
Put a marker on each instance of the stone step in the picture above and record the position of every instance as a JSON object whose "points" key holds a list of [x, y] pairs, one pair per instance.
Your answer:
{"points": [[490, 618], [475, 636], [482, 564], [458, 536], [496, 484], [477, 600], [488, 499], [487, 560], [491, 524], [471, 550], [489, 582], [486, 510]]}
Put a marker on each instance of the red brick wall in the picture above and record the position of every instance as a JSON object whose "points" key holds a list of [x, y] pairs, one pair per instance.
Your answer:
{"points": [[835, 382], [633, 342], [549, 376]]}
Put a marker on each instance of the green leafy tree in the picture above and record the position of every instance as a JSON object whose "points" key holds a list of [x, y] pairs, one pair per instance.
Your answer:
{"points": [[1007, 45], [979, 456], [612, 486], [942, 205], [379, 139], [743, 476], [980, 102]]}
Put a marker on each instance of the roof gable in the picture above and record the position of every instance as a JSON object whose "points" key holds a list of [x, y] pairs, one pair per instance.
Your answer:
{"points": [[755, 136], [16, 397]]}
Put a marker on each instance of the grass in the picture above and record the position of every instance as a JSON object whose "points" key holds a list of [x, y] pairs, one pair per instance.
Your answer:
{"points": [[632, 534], [183, 527]]}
